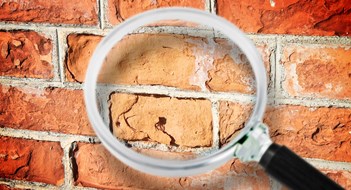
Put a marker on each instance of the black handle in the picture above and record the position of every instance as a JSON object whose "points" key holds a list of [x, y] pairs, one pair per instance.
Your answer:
{"points": [[291, 170]]}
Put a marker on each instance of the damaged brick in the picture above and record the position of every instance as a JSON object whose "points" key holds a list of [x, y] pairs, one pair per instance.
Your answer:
{"points": [[161, 119]]}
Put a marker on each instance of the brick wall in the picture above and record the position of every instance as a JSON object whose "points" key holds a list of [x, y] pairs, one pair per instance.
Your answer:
{"points": [[46, 140]]}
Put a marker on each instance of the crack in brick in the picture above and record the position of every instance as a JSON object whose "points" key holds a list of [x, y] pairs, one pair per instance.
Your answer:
{"points": [[72, 74], [160, 119], [126, 111], [160, 125], [229, 137], [118, 12], [126, 118], [26, 165]]}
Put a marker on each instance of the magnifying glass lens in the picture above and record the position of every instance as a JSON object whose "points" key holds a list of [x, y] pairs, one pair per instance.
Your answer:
{"points": [[175, 94]]}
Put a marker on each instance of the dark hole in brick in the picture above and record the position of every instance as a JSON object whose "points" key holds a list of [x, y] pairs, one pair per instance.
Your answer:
{"points": [[160, 125]]}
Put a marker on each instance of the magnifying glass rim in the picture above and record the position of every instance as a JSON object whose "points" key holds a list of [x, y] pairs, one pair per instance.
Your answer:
{"points": [[172, 167]]}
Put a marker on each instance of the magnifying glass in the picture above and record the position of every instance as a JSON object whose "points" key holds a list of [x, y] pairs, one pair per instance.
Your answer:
{"points": [[129, 119]]}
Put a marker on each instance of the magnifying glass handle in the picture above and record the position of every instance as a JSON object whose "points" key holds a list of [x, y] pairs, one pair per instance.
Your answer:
{"points": [[291, 170]]}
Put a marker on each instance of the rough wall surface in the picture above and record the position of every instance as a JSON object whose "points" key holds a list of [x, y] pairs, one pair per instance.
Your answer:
{"points": [[170, 89], [300, 17]]}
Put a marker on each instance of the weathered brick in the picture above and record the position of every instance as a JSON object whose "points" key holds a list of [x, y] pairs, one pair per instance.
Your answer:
{"points": [[25, 54], [232, 72], [311, 132], [184, 122], [316, 71], [205, 64], [232, 117], [301, 17], [98, 168], [31, 160], [341, 177], [50, 109], [59, 12], [118, 11], [80, 50]]}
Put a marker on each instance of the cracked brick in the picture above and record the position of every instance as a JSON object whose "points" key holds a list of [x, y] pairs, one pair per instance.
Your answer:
{"points": [[300, 17], [206, 64], [31, 160], [80, 50], [60, 12], [138, 117], [25, 54]]}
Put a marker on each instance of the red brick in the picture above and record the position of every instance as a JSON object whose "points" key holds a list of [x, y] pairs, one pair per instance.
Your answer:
{"points": [[341, 177], [316, 71], [80, 50], [50, 109], [31, 160], [232, 117], [224, 70], [312, 132], [118, 11], [172, 121], [301, 17], [98, 168], [232, 72], [58, 12], [322, 133], [25, 54]]}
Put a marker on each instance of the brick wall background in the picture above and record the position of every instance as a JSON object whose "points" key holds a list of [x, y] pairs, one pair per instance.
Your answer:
{"points": [[46, 141]]}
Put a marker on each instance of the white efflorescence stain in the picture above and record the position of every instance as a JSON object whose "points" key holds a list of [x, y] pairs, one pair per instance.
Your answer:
{"points": [[206, 52], [153, 2], [37, 92], [272, 3], [204, 58], [294, 78]]}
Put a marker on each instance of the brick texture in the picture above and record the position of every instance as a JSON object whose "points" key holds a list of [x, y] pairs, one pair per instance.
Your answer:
{"points": [[31, 160], [311, 132], [316, 71], [41, 11], [301, 17], [167, 122], [42, 110], [118, 10], [341, 177], [25, 54], [232, 117], [98, 168], [37, 102], [140, 59], [80, 50]]}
